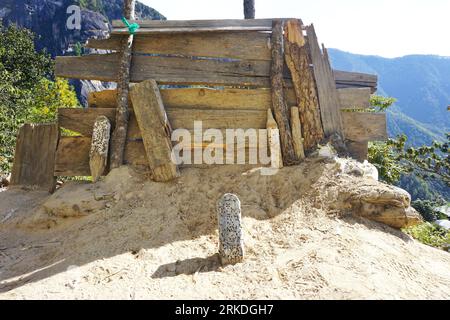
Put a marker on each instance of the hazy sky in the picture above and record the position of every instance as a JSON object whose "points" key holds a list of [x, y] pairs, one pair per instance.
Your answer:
{"points": [[389, 28]]}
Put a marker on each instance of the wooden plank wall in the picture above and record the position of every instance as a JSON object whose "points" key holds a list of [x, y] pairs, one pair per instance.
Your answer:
{"points": [[34, 159]]}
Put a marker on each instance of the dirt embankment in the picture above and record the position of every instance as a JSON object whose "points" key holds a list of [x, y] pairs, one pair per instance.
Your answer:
{"points": [[129, 238]]}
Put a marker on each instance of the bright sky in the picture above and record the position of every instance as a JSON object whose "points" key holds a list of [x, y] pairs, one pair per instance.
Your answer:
{"points": [[389, 28]]}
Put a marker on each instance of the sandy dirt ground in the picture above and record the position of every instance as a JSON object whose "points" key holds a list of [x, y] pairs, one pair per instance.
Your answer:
{"points": [[136, 239]]}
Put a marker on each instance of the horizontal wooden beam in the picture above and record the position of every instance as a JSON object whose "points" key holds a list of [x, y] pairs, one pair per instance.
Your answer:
{"points": [[263, 24], [201, 98], [82, 120], [354, 97], [72, 156], [364, 126], [167, 70], [346, 79], [227, 45]]}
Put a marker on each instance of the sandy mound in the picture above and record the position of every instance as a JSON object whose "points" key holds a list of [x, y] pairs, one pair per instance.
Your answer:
{"points": [[129, 238]]}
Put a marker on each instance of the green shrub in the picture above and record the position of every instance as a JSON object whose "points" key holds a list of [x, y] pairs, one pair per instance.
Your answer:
{"points": [[430, 234]]}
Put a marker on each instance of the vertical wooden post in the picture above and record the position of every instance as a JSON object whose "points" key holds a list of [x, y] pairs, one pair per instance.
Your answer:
{"points": [[155, 129], [231, 244], [249, 9], [298, 61], [123, 82], [279, 106], [297, 133], [273, 137]]}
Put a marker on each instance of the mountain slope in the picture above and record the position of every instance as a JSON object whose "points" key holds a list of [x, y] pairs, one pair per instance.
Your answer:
{"points": [[421, 85]]}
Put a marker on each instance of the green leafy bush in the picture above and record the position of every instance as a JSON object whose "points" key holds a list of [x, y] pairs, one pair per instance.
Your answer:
{"points": [[430, 234]]}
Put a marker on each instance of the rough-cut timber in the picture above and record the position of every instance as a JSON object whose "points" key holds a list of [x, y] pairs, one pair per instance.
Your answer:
{"points": [[345, 79], [98, 156], [298, 61], [34, 158], [249, 9], [279, 106], [225, 45], [326, 87], [297, 133], [358, 150], [273, 136], [217, 25], [167, 70], [364, 126], [357, 98], [180, 118], [201, 98], [123, 81], [155, 129]]}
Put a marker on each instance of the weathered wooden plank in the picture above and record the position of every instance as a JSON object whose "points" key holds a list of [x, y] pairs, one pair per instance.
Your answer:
{"points": [[265, 24], [297, 133], [227, 45], [346, 79], [298, 61], [72, 157], [167, 70], [155, 129], [34, 158], [364, 126], [82, 120], [201, 98], [358, 150], [279, 105], [354, 98], [326, 87]]}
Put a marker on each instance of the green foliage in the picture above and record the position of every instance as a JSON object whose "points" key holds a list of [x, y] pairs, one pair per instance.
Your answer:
{"points": [[426, 208], [78, 49], [383, 157], [26, 93], [430, 234], [380, 103]]}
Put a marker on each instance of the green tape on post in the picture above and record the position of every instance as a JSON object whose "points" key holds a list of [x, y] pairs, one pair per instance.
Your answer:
{"points": [[131, 27]]}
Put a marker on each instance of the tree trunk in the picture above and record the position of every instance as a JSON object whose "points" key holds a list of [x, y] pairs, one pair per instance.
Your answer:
{"points": [[123, 82], [249, 9], [279, 106]]}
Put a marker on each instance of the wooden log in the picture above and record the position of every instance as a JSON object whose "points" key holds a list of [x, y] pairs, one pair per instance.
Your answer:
{"points": [[227, 45], [120, 130], [279, 106], [297, 133], [98, 156], [273, 135], [262, 24], [155, 129], [358, 98], [298, 60], [249, 9], [201, 98], [34, 157], [364, 126], [326, 87], [82, 120]]}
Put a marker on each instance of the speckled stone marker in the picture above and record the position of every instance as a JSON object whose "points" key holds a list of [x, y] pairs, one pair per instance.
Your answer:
{"points": [[231, 243]]}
